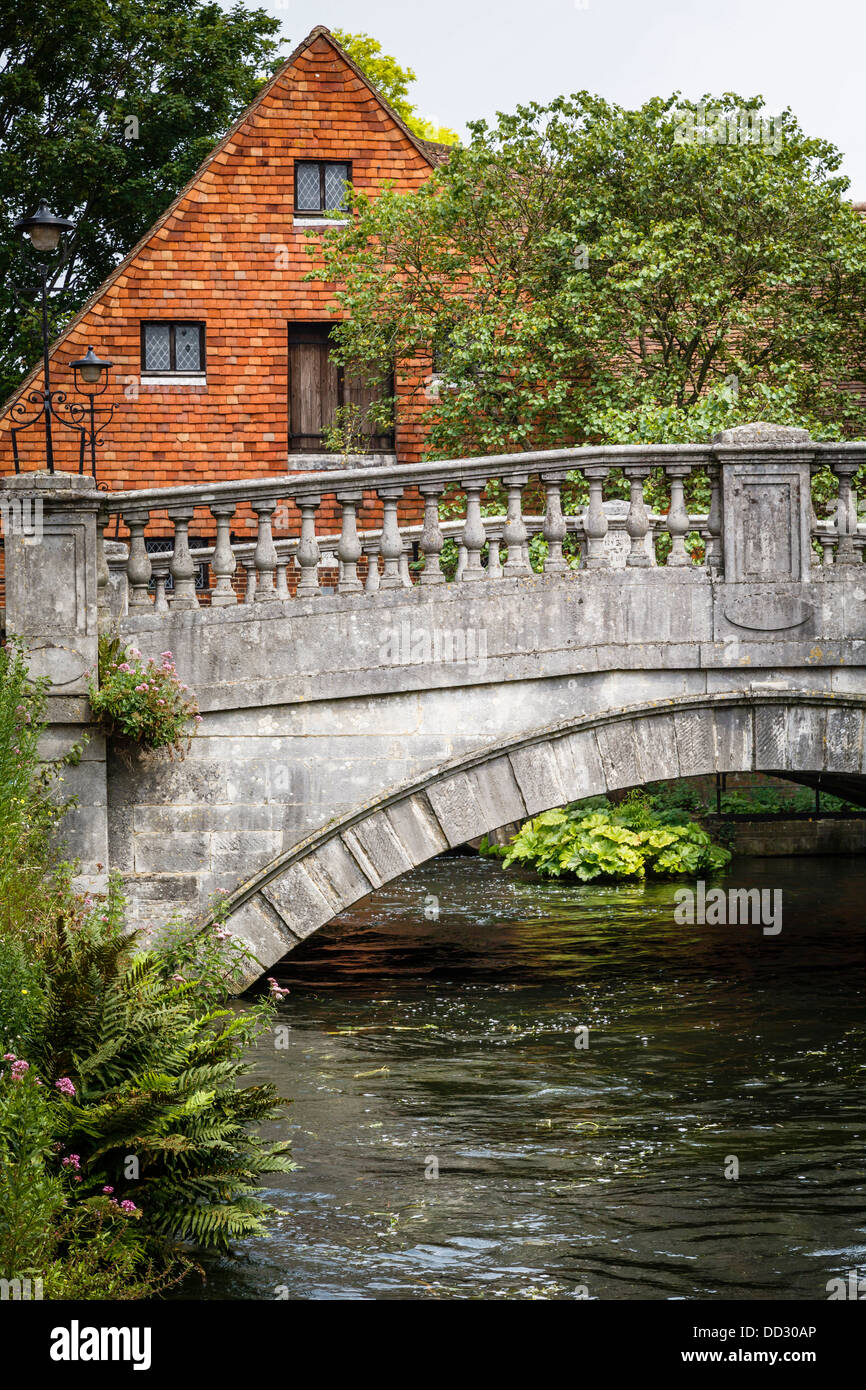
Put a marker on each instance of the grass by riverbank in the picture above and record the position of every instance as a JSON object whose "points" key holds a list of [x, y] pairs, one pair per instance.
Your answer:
{"points": [[127, 1139]]}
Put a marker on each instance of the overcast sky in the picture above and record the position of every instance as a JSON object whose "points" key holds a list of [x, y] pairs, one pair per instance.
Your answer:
{"points": [[473, 59]]}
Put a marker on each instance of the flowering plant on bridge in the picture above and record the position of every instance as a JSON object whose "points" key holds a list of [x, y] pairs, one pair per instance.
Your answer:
{"points": [[143, 701], [600, 841]]}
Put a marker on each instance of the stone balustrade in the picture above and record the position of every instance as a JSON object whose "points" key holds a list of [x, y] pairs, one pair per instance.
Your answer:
{"points": [[607, 534]]}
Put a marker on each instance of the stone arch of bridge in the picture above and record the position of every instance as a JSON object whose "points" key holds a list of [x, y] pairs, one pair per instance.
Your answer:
{"points": [[775, 731]]}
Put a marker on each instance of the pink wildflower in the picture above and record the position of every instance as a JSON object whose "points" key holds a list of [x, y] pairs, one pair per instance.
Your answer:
{"points": [[65, 1086]]}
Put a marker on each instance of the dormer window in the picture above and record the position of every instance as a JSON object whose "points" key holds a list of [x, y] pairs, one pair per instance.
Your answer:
{"points": [[320, 188]]}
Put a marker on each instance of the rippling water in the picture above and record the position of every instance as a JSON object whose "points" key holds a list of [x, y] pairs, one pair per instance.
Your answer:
{"points": [[562, 1170]]}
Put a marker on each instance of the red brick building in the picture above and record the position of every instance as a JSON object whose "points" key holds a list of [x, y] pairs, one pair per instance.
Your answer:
{"points": [[218, 341]]}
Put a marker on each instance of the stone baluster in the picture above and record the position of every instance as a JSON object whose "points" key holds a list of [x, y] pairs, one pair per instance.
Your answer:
{"points": [[515, 534], [473, 536], [678, 523], [308, 547], [249, 565], [637, 522], [224, 563], [391, 542], [265, 552], [138, 567], [462, 561], [160, 567], [103, 575], [182, 565], [494, 559], [281, 578], [405, 572], [714, 519], [828, 546], [371, 550], [432, 539], [595, 519], [349, 549], [814, 523], [554, 528], [846, 512]]}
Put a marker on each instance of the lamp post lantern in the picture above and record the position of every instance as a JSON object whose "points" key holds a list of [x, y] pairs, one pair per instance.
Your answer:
{"points": [[94, 372]]}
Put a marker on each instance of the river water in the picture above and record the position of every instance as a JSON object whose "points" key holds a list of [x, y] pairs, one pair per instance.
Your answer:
{"points": [[420, 1044]]}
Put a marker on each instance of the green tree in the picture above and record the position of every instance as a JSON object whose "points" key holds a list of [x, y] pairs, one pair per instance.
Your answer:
{"points": [[107, 107], [584, 273], [393, 81]]}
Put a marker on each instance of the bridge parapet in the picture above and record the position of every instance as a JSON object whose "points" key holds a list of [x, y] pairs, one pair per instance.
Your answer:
{"points": [[760, 526]]}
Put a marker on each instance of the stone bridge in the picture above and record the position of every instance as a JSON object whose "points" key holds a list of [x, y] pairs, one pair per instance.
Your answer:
{"points": [[362, 712]]}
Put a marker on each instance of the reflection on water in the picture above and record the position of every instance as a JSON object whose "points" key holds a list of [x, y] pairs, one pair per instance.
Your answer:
{"points": [[418, 1043]]}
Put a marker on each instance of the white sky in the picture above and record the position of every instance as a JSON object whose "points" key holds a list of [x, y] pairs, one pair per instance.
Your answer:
{"points": [[473, 59]]}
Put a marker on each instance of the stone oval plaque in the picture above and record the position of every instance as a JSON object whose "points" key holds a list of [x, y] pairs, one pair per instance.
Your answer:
{"points": [[768, 613], [62, 665]]}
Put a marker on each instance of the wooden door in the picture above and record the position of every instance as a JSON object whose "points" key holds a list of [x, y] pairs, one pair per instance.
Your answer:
{"points": [[317, 387]]}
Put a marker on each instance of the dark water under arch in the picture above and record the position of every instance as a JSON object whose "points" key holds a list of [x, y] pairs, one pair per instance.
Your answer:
{"points": [[414, 1038]]}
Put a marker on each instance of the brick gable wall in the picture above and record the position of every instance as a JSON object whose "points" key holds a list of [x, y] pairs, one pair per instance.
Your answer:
{"points": [[227, 253]]}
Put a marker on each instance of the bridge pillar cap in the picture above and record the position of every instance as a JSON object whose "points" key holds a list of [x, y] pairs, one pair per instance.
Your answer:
{"points": [[40, 480], [763, 433]]}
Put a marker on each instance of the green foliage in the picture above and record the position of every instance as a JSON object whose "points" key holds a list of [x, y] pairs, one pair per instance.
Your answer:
{"points": [[146, 703], [74, 77], [352, 426], [393, 81], [581, 276], [614, 842], [79, 1247], [31, 799], [100, 1254], [22, 999], [766, 800], [155, 1062], [114, 1050], [31, 1195]]}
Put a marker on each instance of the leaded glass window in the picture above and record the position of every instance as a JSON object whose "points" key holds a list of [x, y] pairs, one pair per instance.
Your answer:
{"points": [[320, 186], [172, 347]]}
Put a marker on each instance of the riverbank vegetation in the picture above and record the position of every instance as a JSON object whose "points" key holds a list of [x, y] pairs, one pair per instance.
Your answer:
{"points": [[128, 1139], [762, 799], [596, 840]]}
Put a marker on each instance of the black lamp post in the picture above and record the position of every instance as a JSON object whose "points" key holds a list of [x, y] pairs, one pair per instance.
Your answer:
{"points": [[45, 231]]}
